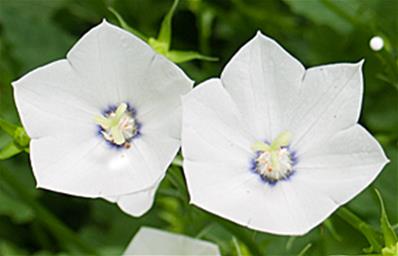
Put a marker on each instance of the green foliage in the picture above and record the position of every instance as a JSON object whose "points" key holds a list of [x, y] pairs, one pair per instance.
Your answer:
{"points": [[19, 143], [35, 32], [390, 238], [162, 43]]}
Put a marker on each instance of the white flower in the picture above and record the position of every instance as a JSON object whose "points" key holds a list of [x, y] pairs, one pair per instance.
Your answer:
{"points": [[273, 146], [105, 121], [150, 241]]}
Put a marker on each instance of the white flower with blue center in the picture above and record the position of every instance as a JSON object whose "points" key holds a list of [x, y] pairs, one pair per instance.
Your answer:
{"points": [[151, 241], [105, 121], [274, 146]]}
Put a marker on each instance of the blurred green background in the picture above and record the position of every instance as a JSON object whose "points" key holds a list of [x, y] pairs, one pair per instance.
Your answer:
{"points": [[35, 32]]}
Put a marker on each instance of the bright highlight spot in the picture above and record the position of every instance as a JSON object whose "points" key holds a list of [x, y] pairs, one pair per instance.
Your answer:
{"points": [[376, 43]]}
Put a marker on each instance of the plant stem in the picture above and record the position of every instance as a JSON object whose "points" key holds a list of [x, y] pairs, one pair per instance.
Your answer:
{"points": [[241, 234], [66, 237], [361, 226]]}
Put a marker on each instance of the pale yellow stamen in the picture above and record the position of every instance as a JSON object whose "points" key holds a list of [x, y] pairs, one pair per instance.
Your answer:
{"points": [[119, 126], [274, 161]]}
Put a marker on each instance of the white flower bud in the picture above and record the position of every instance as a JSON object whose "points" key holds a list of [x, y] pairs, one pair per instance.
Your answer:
{"points": [[376, 43]]}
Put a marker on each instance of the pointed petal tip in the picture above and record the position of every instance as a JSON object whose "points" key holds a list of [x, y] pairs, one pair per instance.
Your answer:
{"points": [[361, 62], [104, 25], [14, 84], [104, 21]]}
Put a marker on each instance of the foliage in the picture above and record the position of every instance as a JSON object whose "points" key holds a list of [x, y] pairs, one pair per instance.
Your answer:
{"points": [[36, 32]]}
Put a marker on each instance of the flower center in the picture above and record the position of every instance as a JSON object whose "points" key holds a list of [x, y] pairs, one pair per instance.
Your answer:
{"points": [[274, 161], [118, 125]]}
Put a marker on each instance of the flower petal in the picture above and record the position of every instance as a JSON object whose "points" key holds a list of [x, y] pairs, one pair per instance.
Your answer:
{"points": [[119, 67], [213, 129], [111, 62], [88, 166], [262, 78], [135, 204], [213, 133], [343, 165], [163, 91], [52, 100], [150, 241], [329, 101], [286, 208]]}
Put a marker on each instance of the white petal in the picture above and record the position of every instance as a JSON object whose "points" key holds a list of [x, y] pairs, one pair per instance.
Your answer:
{"points": [[329, 101], [51, 100], [342, 166], [262, 78], [88, 166], [121, 67], [150, 241], [213, 133], [135, 204], [110, 61], [162, 99], [237, 194], [213, 129]]}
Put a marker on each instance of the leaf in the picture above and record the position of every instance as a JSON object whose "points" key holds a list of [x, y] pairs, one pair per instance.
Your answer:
{"points": [[43, 41], [7, 248], [19, 212], [10, 150], [165, 29], [184, 56], [10, 204], [321, 13], [8, 127], [125, 26], [390, 238]]}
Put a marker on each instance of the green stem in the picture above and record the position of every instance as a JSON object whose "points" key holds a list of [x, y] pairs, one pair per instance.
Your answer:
{"points": [[305, 250], [361, 226], [67, 238], [242, 235]]}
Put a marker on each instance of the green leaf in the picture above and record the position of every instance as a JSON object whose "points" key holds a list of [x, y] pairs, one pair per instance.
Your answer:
{"points": [[327, 12], [7, 127], [184, 56], [46, 40], [390, 238], [7, 248], [16, 210], [165, 29], [10, 150], [125, 26]]}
